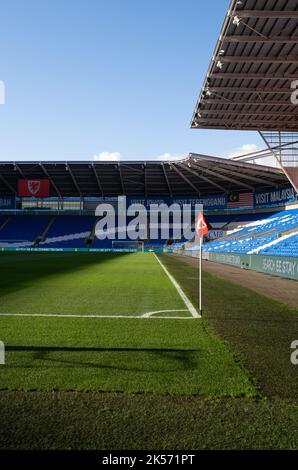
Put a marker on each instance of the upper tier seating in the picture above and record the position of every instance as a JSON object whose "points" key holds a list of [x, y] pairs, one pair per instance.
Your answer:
{"points": [[271, 235]]}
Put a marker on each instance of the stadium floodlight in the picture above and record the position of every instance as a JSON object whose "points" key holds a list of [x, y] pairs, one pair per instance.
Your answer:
{"points": [[219, 64], [236, 20]]}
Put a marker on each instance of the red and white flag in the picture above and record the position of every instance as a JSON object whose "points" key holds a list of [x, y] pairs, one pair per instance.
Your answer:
{"points": [[34, 188], [202, 226]]}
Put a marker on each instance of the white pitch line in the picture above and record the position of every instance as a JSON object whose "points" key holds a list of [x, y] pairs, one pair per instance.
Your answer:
{"points": [[150, 314], [147, 315], [184, 297]]}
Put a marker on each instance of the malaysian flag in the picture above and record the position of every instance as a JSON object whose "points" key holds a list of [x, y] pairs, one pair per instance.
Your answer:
{"points": [[236, 200]]}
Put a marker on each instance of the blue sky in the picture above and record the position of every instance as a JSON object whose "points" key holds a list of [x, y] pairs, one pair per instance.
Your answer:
{"points": [[107, 78]]}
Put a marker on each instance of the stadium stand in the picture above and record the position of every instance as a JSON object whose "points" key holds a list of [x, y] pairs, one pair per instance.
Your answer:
{"points": [[21, 230], [68, 232], [277, 235], [248, 232]]}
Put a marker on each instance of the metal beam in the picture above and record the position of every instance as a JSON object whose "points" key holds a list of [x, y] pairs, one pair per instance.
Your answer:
{"points": [[74, 179], [255, 126], [278, 157], [246, 176], [19, 170], [223, 177], [250, 113], [204, 178], [266, 14], [262, 153], [229, 89], [207, 158], [97, 179], [167, 179], [137, 170], [51, 179], [259, 124], [253, 103], [121, 178], [257, 38], [128, 180], [257, 59], [253, 76], [8, 185], [145, 179], [185, 178]]}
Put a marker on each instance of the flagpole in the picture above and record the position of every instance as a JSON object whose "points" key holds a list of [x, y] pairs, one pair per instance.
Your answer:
{"points": [[201, 230], [200, 277]]}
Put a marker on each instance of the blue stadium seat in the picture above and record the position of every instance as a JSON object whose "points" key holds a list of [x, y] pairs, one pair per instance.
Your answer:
{"points": [[273, 235]]}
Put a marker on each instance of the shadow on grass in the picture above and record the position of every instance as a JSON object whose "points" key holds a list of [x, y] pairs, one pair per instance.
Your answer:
{"points": [[185, 359]]}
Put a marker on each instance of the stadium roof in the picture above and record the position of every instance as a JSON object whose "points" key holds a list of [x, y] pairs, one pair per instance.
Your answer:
{"points": [[194, 175], [248, 83]]}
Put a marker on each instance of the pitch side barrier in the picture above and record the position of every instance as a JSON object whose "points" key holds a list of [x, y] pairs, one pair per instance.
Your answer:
{"points": [[89, 250], [281, 266]]}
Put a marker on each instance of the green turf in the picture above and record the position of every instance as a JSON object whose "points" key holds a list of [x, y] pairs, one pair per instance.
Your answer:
{"points": [[173, 360], [107, 354], [69, 420], [94, 284], [133, 355], [256, 328]]}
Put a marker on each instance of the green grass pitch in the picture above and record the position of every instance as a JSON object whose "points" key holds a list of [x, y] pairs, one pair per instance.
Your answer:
{"points": [[91, 364], [167, 355]]}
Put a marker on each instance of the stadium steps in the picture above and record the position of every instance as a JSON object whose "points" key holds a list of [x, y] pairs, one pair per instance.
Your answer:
{"points": [[275, 242], [258, 235], [42, 237], [289, 232], [90, 239], [5, 223]]}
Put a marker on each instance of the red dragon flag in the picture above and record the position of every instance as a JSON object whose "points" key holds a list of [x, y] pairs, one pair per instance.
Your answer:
{"points": [[34, 188], [202, 226]]}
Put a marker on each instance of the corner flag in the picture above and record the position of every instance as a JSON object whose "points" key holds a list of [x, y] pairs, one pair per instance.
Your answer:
{"points": [[202, 226]]}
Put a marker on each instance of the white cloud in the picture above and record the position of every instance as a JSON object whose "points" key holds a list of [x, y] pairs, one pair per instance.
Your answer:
{"points": [[251, 148], [245, 149], [166, 157], [108, 157]]}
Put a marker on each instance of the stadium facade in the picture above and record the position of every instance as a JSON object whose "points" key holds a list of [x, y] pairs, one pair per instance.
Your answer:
{"points": [[252, 208]]}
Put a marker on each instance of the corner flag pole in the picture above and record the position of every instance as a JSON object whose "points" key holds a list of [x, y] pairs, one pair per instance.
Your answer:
{"points": [[202, 228], [200, 278]]}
